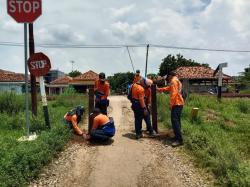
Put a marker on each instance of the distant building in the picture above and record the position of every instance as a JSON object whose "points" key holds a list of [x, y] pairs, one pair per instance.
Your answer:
{"points": [[53, 75], [10, 81], [59, 85], [82, 82], [200, 78]]}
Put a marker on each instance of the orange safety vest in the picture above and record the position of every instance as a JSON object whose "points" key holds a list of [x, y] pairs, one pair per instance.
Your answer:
{"points": [[102, 88], [99, 121], [73, 120], [175, 92], [138, 93]]}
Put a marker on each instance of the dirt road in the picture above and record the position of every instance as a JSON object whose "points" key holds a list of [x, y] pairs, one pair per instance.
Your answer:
{"points": [[123, 162]]}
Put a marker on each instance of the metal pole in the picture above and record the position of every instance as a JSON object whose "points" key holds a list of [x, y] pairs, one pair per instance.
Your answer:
{"points": [[44, 101], [32, 77], [146, 68], [154, 108], [26, 82]]}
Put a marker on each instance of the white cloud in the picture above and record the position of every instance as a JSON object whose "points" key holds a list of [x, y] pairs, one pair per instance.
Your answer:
{"points": [[121, 12]]}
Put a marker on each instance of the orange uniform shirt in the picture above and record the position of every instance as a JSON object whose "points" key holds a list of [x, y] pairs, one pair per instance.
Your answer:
{"points": [[73, 120], [138, 93], [175, 92], [102, 88], [99, 121]]}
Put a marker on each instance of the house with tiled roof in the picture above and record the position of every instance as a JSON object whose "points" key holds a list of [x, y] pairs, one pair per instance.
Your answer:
{"points": [[200, 78], [10, 81], [59, 85], [84, 81]]}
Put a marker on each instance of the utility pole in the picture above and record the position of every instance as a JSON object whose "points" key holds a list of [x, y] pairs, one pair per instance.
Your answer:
{"points": [[72, 62], [146, 68], [32, 77]]}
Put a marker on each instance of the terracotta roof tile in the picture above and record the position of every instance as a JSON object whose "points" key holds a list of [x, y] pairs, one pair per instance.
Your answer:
{"points": [[89, 75], [3, 71], [197, 72], [12, 77], [62, 80]]}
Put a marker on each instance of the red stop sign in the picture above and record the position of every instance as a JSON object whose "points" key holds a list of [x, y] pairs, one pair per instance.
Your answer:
{"points": [[39, 64], [24, 11]]}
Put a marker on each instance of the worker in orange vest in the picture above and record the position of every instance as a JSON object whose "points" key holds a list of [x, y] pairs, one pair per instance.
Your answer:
{"points": [[101, 91], [138, 105], [137, 76], [72, 119], [176, 106], [103, 127]]}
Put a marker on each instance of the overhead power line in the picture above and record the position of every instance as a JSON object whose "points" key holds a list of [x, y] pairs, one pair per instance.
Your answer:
{"points": [[131, 60], [73, 46]]}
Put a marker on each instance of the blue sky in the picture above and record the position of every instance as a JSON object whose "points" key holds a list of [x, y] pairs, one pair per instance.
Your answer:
{"points": [[219, 24]]}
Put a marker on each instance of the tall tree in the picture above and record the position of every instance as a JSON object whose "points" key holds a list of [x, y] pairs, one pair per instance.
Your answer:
{"points": [[119, 81], [171, 63], [74, 73], [245, 76]]}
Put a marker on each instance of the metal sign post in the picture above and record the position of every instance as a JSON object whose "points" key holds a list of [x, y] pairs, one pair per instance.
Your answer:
{"points": [[26, 82], [220, 77]]}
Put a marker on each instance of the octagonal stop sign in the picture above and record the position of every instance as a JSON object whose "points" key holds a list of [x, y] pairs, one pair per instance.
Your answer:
{"points": [[39, 64], [24, 11]]}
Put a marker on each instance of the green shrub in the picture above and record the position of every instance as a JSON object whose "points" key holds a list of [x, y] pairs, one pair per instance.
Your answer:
{"points": [[218, 138], [11, 103]]}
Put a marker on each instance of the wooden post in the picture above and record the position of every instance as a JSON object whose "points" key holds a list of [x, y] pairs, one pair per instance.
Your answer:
{"points": [[91, 107], [32, 77], [154, 108]]}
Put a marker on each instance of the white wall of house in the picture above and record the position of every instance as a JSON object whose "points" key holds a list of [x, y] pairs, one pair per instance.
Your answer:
{"points": [[14, 87]]}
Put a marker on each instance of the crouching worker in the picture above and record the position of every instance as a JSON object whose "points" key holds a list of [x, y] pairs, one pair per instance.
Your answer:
{"points": [[103, 127], [72, 119]]}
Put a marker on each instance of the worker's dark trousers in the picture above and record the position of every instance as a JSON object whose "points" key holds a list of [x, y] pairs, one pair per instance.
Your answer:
{"points": [[147, 120], [138, 120], [99, 135], [102, 107], [176, 121]]}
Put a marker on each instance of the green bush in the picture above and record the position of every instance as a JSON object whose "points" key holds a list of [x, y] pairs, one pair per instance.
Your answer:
{"points": [[218, 138], [11, 103], [20, 162]]}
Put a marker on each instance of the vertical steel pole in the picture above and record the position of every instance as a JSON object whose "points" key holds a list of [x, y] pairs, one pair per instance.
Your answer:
{"points": [[154, 108], [44, 101], [26, 82], [32, 77], [146, 68]]}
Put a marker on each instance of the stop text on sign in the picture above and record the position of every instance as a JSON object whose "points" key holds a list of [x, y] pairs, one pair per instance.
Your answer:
{"points": [[38, 64], [23, 6], [24, 11]]}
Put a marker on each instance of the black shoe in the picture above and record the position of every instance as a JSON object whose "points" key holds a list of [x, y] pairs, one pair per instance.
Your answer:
{"points": [[138, 136], [177, 143], [152, 134]]}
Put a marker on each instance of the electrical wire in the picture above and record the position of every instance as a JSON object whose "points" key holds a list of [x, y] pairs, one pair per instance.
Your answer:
{"points": [[130, 59], [108, 46]]}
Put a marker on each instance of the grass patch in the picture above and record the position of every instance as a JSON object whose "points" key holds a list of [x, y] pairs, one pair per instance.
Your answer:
{"points": [[21, 162], [218, 138]]}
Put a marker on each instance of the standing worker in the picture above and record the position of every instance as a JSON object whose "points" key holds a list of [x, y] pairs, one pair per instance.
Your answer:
{"points": [[101, 91], [138, 105], [72, 119], [103, 127], [176, 106]]}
